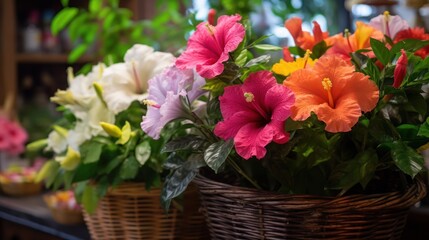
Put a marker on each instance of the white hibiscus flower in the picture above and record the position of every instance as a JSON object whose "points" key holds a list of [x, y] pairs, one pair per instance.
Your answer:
{"points": [[126, 82]]}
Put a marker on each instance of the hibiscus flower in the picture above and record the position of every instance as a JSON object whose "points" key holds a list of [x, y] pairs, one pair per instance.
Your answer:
{"points": [[164, 103], [388, 24], [210, 46], [304, 39], [414, 33], [254, 114], [334, 92], [126, 82], [285, 68], [344, 45]]}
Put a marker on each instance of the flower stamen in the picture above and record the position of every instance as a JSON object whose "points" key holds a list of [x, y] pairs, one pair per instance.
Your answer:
{"points": [[347, 36], [306, 56], [250, 98], [151, 103], [327, 85], [210, 28], [386, 21]]}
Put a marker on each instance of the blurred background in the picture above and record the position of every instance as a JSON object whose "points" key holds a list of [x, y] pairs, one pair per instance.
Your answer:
{"points": [[39, 40]]}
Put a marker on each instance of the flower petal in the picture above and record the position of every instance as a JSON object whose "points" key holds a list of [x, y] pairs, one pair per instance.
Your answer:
{"points": [[251, 140]]}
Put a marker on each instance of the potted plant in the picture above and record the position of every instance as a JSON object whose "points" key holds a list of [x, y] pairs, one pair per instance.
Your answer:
{"points": [[102, 154], [323, 144]]}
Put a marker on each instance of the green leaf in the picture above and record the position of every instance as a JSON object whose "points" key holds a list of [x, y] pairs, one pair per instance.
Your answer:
{"points": [[259, 60], [424, 129], [54, 170], [143, 151], [85, 172], [173, 161], [380, 51], [178, 180], [297, 51], [64, 3], [409, 45], [114, 3], [268, 47], [90, 198], [95, 5], [76, 53], [68, 179], [242, 57], [188, 142], [129, 168], [260, 39], [406, 158], [63, 18], [90, 151], [216, 86], [319, 49], [216, 154], [48, 169], [360, 169]]}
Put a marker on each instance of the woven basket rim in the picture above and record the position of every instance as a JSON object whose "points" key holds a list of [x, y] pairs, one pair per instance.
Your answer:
{"points": [[389, 200]]}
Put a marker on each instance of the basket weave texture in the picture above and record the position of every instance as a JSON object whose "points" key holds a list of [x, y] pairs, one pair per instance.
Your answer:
{"points": [[130, 212], [243, 213]]}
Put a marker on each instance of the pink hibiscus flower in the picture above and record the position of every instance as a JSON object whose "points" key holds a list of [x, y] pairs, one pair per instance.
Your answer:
{"points": [[254, 114], [210, 45]]}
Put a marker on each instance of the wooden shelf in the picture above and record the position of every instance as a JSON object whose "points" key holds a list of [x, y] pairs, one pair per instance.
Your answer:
{"points": [[48, 58]]}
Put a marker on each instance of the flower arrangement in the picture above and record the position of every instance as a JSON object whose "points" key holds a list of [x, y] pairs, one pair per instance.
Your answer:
{"points": [[98, 143], [338, 114], [63, 207], [19, 180], [12, 137], [62, 200]]}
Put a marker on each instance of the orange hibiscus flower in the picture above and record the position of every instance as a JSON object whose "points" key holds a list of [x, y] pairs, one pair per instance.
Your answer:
{"points": [[334, 92], [304, 39], [344, 45]]}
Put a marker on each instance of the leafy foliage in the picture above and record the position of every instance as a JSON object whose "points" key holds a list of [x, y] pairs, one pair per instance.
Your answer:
{"points": [[111, 29]]}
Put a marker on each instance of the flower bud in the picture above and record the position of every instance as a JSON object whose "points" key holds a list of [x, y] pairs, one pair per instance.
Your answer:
{"points": [[211, 16], [37, 145], [99, 91], [126, 134], [400, 70], [111, 129], [63, 98], [47, 169], [60, 130], [70, 161]]}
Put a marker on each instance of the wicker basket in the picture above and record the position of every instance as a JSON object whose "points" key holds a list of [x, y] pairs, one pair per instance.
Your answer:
{"points": [[242, 213], [21, 189], [130, 212]]}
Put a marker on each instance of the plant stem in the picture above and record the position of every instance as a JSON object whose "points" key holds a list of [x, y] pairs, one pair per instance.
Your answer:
{"points": [[242, 173]]}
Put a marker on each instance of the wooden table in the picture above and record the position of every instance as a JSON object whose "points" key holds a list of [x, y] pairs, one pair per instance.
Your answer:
{"points": [[28, 218]]}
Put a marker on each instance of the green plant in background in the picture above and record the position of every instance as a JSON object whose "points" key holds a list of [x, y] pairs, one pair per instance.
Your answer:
{"points": [[111, 30]]}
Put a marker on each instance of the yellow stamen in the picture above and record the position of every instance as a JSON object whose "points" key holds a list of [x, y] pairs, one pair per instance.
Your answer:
{"points": [[327, 85], [306, 56], [386, 14], [151, 103], [210, 28], [386, 23], [249, 97]]}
